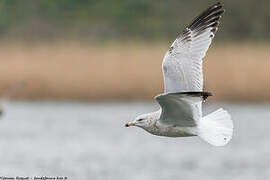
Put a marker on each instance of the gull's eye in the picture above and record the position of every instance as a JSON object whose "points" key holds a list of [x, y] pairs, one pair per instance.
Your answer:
{"points": [[139, 119]]}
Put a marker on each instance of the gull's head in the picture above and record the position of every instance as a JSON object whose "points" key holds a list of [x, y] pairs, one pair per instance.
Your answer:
{"points": [[143, 121]]}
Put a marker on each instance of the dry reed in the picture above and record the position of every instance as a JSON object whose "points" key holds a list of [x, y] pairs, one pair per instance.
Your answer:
{"points": [[232, 71]]}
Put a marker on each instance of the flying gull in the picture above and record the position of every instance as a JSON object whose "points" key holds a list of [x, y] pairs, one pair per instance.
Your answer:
{"points": [[180, 114]]}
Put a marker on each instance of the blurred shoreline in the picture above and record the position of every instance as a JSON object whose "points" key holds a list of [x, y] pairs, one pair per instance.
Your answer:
{"points": [[132, 70]]}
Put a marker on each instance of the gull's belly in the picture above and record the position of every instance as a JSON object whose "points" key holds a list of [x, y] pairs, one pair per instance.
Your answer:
{"points": [[180, 131], [175, 131]]}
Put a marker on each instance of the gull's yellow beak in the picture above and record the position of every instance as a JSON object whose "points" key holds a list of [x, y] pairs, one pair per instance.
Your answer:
{"points": [[130, 124]]}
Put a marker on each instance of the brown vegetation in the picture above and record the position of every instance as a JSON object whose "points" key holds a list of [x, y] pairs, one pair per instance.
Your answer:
{"points": [[232, 72]]}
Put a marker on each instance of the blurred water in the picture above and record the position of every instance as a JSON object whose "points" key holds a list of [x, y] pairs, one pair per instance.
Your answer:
{"points": [[89, 141]]}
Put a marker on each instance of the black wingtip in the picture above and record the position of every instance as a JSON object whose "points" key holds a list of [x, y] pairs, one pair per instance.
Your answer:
{"points": [[206, 95], [202, 94], [208, 18], [218, 4]]}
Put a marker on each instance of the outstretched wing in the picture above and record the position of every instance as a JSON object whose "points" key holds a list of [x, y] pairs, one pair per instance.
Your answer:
{"points": [[182, 64], [181, 109]]}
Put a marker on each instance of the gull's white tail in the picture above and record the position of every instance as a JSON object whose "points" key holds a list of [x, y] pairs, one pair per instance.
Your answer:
{"points": [[216, 128]]}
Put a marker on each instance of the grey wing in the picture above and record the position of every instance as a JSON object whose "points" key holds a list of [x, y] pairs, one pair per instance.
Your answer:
{"points": [[182, 64], [181, 109]]}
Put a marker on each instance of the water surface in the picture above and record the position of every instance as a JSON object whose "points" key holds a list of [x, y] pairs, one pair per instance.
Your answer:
{"points": [[89, 141]]}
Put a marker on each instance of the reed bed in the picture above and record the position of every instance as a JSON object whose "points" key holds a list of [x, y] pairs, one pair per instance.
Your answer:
{"points": [[238, 72]]}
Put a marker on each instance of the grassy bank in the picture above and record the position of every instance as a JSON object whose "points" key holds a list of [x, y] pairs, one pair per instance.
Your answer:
{"points": [[76, 71]]}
